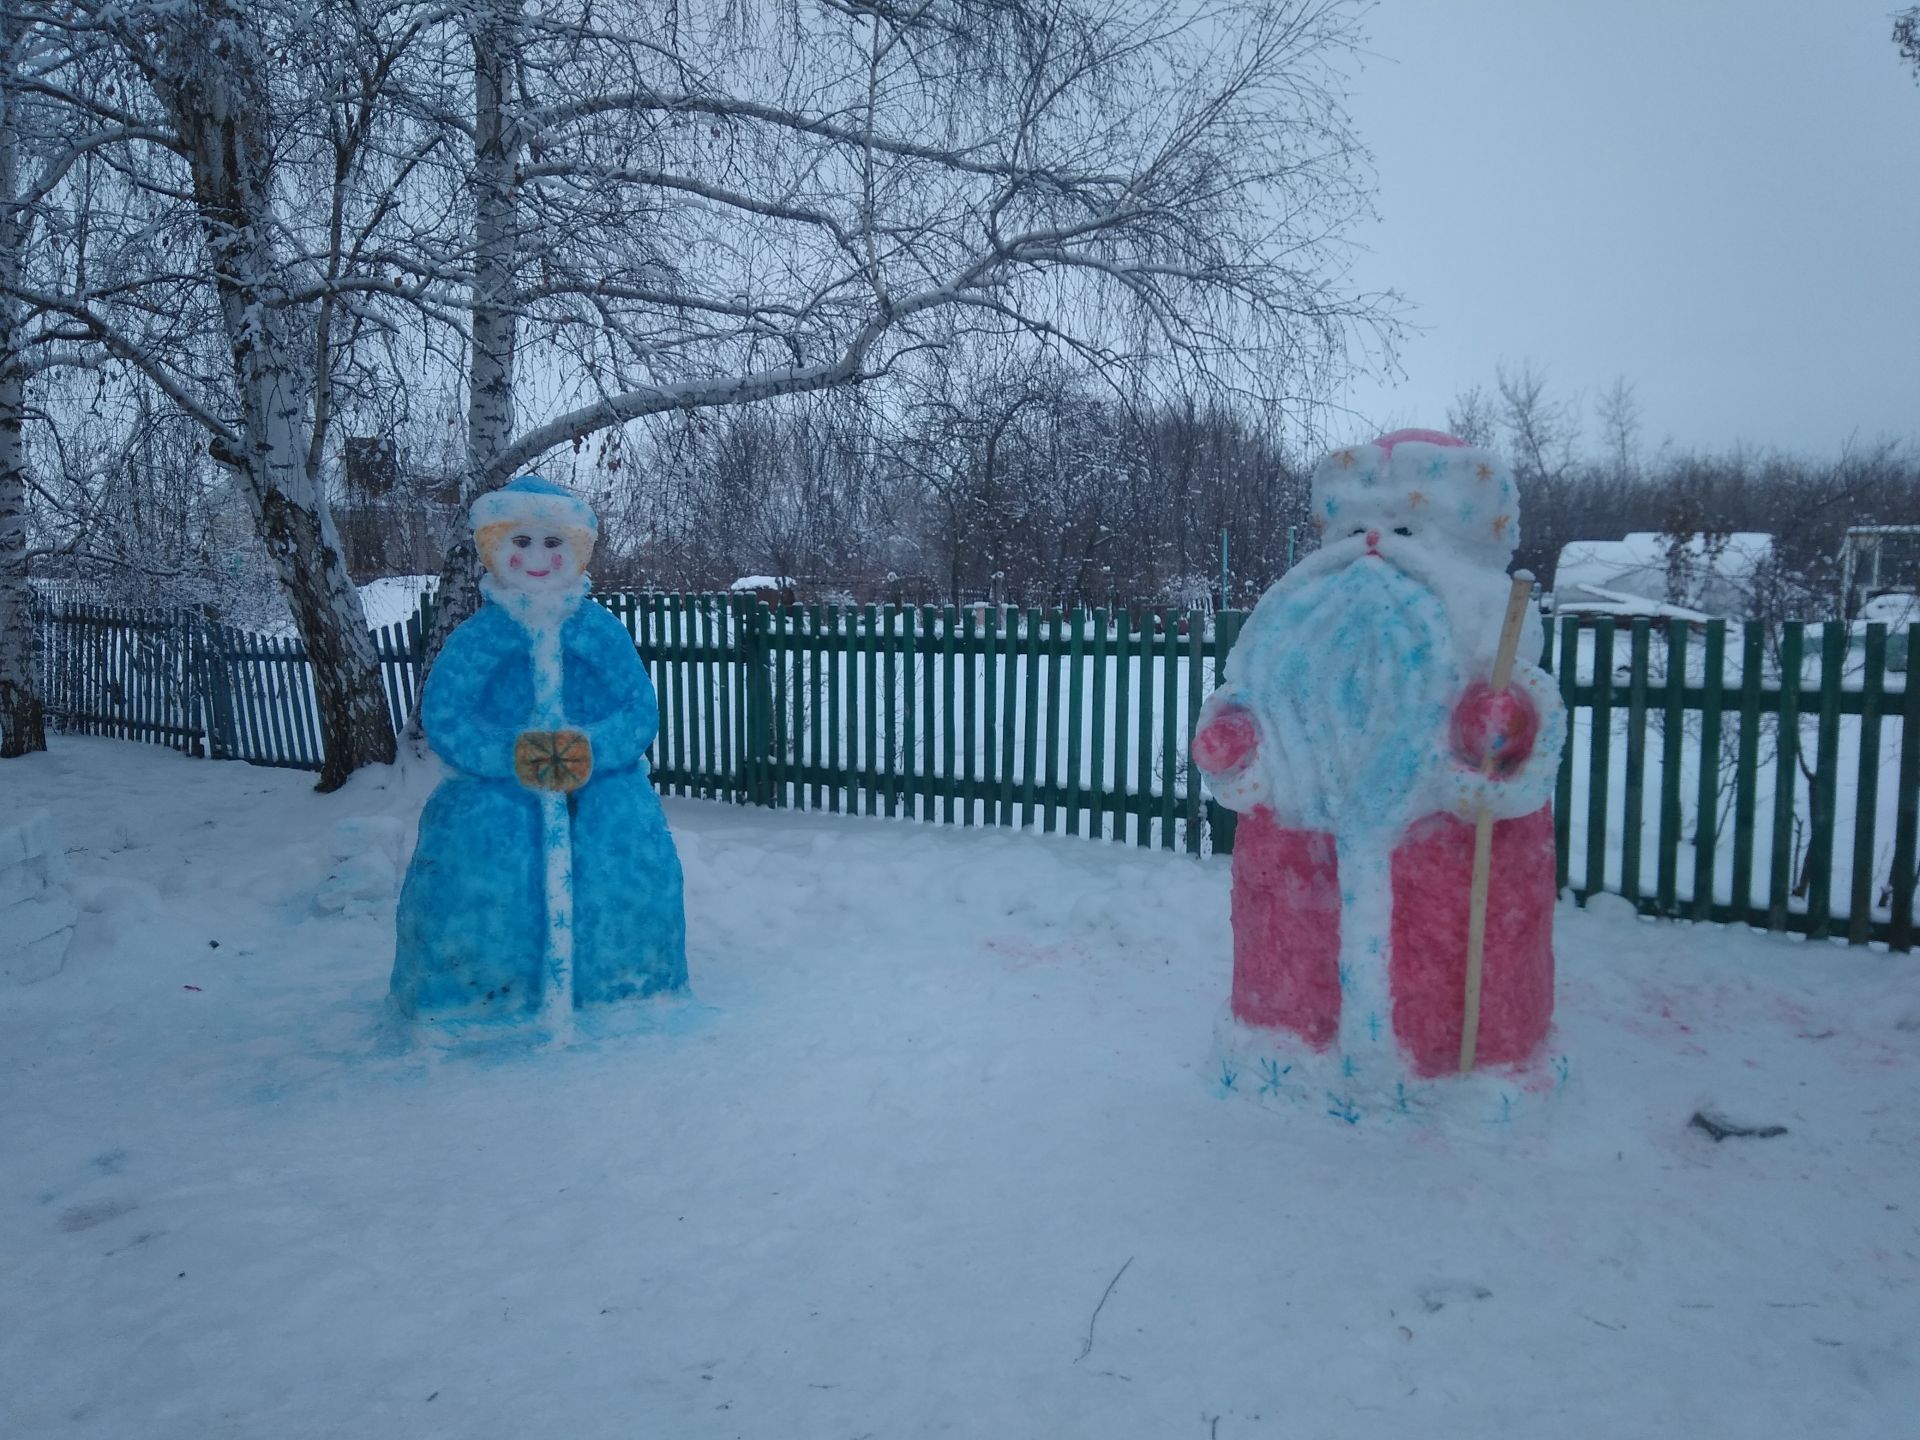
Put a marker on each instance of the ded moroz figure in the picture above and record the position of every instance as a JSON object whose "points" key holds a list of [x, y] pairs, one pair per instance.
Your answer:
{"points": [[1360, 734], [544, 878]]}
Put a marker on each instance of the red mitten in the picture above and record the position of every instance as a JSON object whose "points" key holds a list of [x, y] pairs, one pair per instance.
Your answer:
{"points": [[1227, 742], [1503, 726]]}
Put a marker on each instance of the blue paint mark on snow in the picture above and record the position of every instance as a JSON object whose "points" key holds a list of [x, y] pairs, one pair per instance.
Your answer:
{"points": [[1342, 1109]]}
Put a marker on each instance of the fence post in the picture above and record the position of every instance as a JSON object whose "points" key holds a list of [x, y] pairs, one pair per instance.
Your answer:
{"points": [[1222, 822], [217, 688], [753, 785]]}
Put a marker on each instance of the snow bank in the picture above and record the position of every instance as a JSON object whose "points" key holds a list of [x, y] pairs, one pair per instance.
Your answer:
{"points": [[948, 1086], [395, 599]]}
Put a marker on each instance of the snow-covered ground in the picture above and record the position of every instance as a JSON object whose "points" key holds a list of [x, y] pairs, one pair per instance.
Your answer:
{"points": [[940, 1153]]}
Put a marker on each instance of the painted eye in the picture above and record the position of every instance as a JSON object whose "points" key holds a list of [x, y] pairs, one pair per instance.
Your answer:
{"points": [[1361, 531], [1401, 530], [523, 541], [552, 542]]}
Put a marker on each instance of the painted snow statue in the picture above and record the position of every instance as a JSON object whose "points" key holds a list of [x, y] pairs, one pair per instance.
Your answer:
{"points": [[1368, 732], [544, 879]]}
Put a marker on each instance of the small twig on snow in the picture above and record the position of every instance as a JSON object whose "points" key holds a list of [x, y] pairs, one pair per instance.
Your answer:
{"points": [[1087, 1349]]}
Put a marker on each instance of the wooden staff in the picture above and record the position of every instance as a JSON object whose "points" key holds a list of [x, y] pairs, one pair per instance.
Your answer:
{"points": [[1519, 600]]}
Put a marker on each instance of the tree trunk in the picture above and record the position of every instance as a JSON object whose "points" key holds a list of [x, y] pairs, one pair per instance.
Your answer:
{"points": [[220, 109], [495, 330], [22, 716]]}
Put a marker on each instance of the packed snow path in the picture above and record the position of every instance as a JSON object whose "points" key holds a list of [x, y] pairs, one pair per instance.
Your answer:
{"points": [[949, 1086]]}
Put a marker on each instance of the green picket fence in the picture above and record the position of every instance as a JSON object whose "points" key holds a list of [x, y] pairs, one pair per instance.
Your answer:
{"points": [[1075, 722], [169, 678], [1770, 777]]}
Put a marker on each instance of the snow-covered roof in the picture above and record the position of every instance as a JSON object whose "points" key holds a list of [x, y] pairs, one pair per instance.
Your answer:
{"points": [[1644, 573], [761, 582], [1598, 600]]}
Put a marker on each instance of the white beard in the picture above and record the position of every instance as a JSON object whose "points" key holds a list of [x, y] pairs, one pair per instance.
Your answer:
{"points": [[1349, 673]]}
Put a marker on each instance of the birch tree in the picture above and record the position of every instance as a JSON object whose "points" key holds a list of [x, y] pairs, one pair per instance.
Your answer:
{"points": [[288, 185], [22, 725], [709, 205], [42, 142]]}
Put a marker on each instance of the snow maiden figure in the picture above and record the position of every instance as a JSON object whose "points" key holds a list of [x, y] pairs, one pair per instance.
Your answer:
{"points": [[544, 878], [1366, 726]]}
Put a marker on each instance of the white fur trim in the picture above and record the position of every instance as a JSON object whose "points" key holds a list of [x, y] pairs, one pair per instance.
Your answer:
{"points": [[528, 507]]}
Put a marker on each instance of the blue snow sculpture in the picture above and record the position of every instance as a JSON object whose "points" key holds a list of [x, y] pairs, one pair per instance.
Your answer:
{"points": [[522, 893]]}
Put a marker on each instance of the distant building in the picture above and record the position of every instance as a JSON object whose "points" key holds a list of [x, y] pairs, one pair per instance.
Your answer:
{"points": [[1696, 578], [1878, 560], [773, 589]]}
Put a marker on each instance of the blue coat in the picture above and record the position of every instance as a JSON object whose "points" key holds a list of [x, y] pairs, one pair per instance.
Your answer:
{"points": [[472, 915]]}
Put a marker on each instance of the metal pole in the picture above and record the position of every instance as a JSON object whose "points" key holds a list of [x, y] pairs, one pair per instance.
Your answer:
{"points": [[1224, 591], [1290, 530]]}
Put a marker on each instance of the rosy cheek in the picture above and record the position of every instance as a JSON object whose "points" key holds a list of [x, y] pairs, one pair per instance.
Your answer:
{"points": [[514, 563]]}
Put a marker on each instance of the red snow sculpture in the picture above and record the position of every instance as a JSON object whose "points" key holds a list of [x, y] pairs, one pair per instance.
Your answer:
{"points": [[1360, 734]]}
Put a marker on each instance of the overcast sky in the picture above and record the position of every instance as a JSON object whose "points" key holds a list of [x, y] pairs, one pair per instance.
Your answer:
{"points": [[1717, 199]]}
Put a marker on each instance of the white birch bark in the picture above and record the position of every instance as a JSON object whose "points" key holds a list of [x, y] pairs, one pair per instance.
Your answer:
{"points": [[220, 108], [22, 719], [494, 325]]}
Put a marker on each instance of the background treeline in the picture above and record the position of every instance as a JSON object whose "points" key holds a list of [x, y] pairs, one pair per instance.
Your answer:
{"points": [[1030, 484], [1026, 483]]}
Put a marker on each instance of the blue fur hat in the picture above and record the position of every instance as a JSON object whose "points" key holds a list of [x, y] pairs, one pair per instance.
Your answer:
{"points": [[534, 500]]}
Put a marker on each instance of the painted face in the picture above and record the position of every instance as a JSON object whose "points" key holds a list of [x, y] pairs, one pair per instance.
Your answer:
{"points": [[536, 559], [1425, 498]]}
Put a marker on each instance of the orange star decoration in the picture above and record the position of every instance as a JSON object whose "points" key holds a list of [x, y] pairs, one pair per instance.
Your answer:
{"points": [[1500, 523], [1416, 498], [1483, 471], [1346, 459], [553, 759]]}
